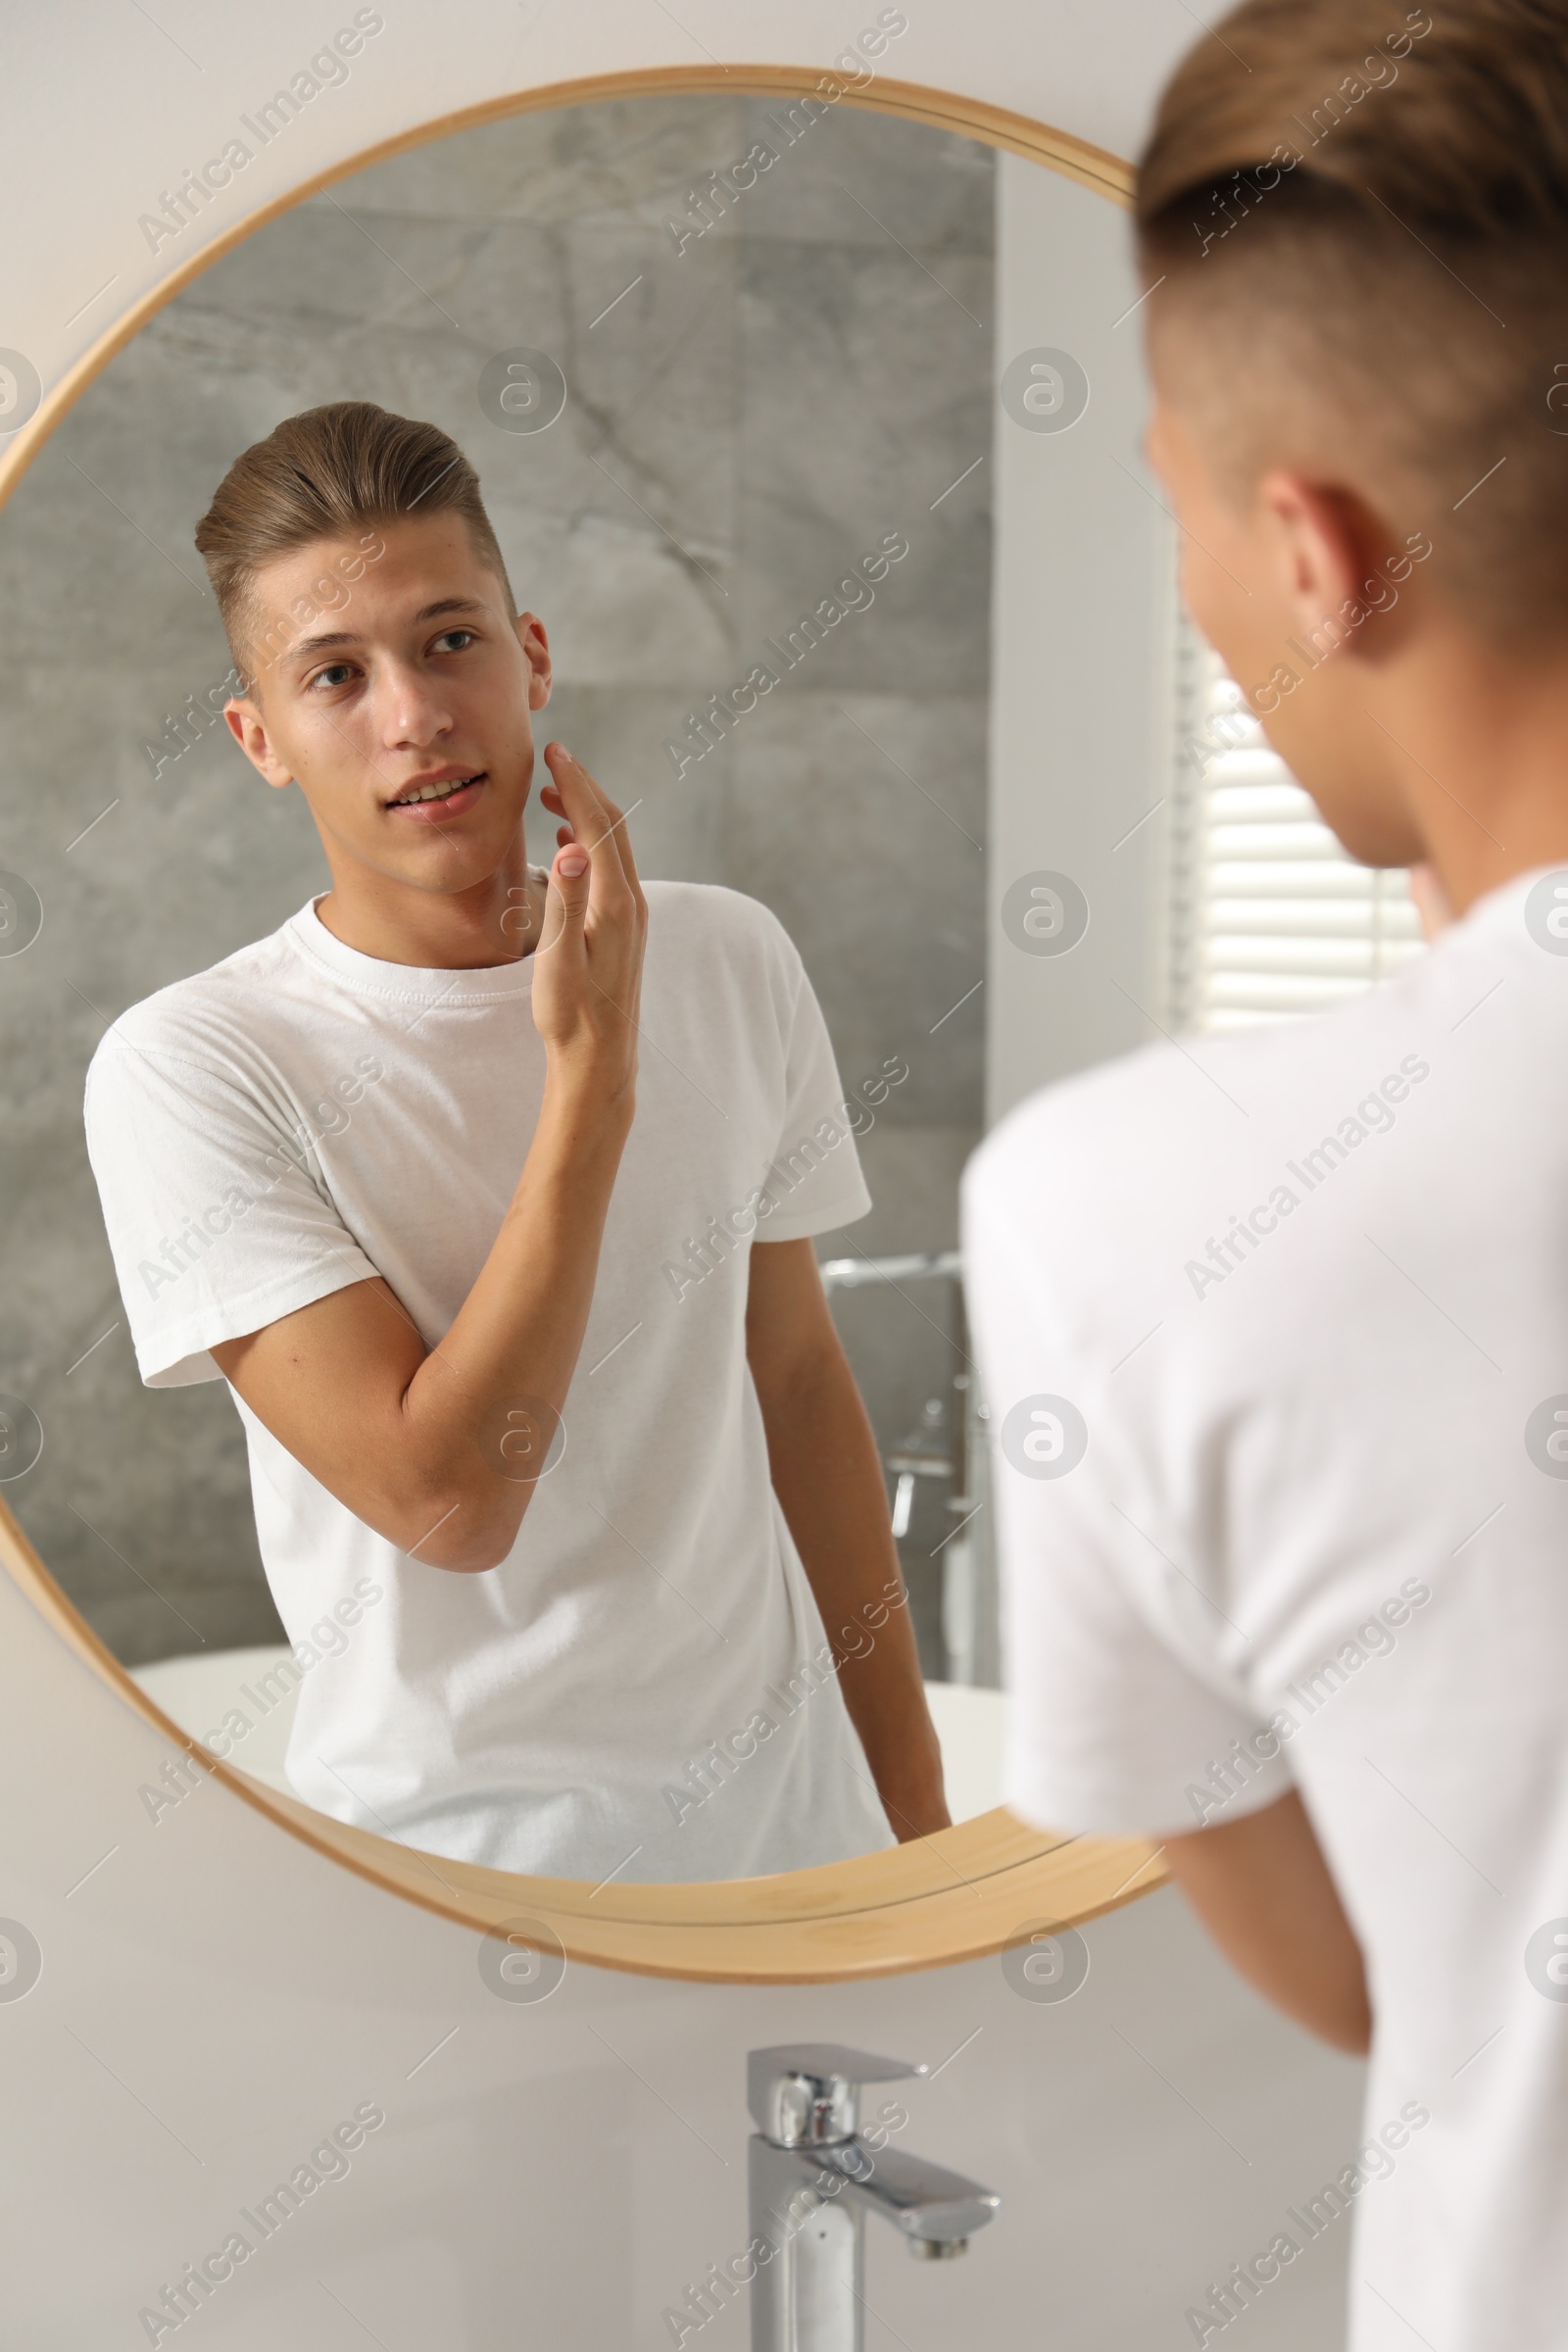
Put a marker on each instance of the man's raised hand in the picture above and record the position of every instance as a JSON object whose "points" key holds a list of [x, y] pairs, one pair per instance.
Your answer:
{"points": [[587, 981]]}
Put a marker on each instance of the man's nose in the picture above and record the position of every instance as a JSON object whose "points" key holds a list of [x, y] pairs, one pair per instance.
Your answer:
{"points": [[409, 712]]}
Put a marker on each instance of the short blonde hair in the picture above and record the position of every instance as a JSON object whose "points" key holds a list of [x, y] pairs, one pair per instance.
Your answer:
{"points": [[322, 475], [1356, 228]]}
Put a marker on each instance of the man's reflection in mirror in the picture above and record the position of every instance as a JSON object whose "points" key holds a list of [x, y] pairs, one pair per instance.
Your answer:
{"points": [[419, 1173]]}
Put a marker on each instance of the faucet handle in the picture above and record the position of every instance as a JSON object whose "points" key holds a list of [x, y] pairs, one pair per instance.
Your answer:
{"points": [[806, 2093]]}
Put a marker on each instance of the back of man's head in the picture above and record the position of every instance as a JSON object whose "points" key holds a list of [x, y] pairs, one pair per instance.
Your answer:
{"points": [[1356, 226]]}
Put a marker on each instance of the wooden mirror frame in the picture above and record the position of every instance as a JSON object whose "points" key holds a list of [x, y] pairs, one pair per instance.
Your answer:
{"points": [[960, 1894]]}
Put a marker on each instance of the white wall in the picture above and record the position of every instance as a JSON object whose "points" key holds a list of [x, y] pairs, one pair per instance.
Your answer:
{"points": [[108, 104], [213, 1998], [1083, 603]]}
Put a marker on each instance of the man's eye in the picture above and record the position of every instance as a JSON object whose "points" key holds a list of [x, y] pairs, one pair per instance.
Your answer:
{"points": [[337, 673], [445, 642]]}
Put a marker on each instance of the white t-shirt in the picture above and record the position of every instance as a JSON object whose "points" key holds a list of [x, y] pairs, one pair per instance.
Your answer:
{"points": [[1304, 1522], [301, 1118]]}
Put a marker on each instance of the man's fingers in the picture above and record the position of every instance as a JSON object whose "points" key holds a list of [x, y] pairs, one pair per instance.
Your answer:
{"points": [[583, 799], [617, 829], [567, 898], [593, 816], [628, 860]]}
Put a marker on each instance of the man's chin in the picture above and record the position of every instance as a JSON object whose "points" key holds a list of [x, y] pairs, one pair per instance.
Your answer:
{"points": [[479, 835], [1370, 842], [442, 866]]}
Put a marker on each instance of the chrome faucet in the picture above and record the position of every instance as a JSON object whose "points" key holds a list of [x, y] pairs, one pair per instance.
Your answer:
{"points": [[924, 1453], [813, 2180]]}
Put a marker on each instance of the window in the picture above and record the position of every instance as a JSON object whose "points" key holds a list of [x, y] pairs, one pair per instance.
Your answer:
{"points": [[1269, 919]]}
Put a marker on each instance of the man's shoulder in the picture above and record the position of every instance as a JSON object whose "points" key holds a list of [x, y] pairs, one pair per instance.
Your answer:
{"points": [[1126, 1161], [703, 925], [713, 909], [187, 1019], [1129, 1142], [1121, 1116]]}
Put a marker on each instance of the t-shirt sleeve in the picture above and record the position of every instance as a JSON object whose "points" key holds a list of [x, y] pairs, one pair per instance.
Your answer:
{"points": [[217, 1215], [813, 1179], [1122, 1664]]}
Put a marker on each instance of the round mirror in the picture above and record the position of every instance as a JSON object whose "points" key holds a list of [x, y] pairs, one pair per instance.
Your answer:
{"points": [[809, 434]]}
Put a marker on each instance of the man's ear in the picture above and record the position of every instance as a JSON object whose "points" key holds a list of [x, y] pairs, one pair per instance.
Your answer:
{"points": [[249, 730], [1327, 545], [536, 652]]}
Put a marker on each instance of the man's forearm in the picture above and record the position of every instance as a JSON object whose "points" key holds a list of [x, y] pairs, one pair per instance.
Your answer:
{"points": [[438, 1450], [1262, 1890], [829, 1483], [516, 1340]]}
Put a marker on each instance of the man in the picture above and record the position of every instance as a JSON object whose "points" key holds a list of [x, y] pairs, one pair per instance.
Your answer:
{"points": [[1274, 1326], [558, 1472]]}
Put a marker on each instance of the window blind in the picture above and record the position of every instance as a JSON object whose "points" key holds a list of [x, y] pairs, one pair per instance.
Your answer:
{"points": [[1269, 919]]}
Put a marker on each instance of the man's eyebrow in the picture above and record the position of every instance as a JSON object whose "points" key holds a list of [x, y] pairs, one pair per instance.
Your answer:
{"points": [[449, 603], [307, 647]]}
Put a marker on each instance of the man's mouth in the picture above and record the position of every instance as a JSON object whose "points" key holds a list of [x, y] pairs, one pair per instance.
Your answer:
{"points": [[443, 796]]}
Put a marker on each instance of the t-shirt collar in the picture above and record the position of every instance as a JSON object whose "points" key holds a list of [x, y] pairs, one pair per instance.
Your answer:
{"points": [[1501, 910], [404, 983]]}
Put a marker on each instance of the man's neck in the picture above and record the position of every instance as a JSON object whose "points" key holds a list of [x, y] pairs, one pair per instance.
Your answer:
{"points": [[1482, 746], [494, 922]]}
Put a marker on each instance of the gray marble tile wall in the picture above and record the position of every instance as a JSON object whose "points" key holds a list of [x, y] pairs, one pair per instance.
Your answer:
{"points": [[751, 410]]}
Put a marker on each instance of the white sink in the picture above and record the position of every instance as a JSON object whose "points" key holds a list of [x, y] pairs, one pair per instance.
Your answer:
{"points": [[198, 1691]]}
